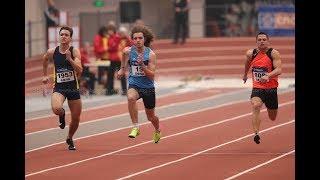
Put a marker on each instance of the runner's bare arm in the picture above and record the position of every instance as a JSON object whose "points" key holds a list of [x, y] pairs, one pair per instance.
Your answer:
{"points": [[151, 68], [124, 62], [125, 58], [276, 64], [46, 58], [247, 64], [76, 62]]}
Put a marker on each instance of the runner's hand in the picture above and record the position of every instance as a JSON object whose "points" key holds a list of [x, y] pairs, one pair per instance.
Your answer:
{"points": [[45, 79], [265, 78], [245, 77], [68, 55], [120, 73]]}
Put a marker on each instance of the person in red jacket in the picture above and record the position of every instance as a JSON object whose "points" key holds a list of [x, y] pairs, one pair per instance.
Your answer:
{"points": [[125, 40], [100, 45], [87, 77], [113, 49], [266, 67]]}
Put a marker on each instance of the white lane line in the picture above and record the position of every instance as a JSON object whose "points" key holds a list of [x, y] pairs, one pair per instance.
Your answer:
{"points": [[260, 165], [165, 137], [164, 119], [118, 129], [200, 152], [117, 103], [159, 107]]}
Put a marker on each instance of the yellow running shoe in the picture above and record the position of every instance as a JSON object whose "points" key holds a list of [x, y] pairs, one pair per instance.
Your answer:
{"points": [[156, 136], [134, 132]]}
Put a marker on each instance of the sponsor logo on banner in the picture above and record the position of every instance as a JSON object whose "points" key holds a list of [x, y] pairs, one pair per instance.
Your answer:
{"points": [[284, 20], [277, 20]]}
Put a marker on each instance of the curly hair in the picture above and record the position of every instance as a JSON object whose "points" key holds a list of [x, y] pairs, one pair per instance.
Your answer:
{"points": [[147, 34]]}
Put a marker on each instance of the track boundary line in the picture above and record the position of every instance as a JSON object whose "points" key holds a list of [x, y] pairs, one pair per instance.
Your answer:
{"points": [[124, 102], [165, 137], [200, 152], [260, 165], [126, 113]]}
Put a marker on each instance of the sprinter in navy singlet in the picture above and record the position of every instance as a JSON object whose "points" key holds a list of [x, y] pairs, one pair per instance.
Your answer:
{"points": [[65, 78], [67, 67], [141, 61]]}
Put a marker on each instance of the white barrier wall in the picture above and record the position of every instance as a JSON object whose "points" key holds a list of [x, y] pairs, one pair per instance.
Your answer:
{"points": [[196, 18]]}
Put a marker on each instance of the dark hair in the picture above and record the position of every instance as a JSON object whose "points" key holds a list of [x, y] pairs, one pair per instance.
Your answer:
{"points": [[147, 34], [263, 34], [66, 28], [102, 30]]}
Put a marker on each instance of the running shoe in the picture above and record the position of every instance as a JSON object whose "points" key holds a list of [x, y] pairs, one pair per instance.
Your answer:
{"points": [[257, 139], [71, 145], [134, 132], [156, 136]]}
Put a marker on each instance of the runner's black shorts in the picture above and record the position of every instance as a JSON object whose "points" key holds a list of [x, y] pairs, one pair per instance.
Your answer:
{"points": [[70, 94], [148, 96], [268, 96]]}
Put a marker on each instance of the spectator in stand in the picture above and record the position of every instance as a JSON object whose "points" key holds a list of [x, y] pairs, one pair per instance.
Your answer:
{"points": [[125, 40], [232, 21], [181, 17], [113, 49], [139, 22], [87, 78], [100, 45], [51, 15]]}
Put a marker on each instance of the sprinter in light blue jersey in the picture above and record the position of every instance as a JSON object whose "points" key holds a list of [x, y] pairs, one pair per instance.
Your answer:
{"points": [[141, 61]]}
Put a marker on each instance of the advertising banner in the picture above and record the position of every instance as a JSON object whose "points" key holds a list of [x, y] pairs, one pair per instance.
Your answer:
{"points": [[277, 20]]}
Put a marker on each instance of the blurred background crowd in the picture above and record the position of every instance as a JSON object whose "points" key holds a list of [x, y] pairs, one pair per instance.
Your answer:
{"points": [[102, 27]]}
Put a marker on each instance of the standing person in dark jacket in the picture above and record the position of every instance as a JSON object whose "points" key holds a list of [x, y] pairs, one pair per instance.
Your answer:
{"points": [[181, 17]]}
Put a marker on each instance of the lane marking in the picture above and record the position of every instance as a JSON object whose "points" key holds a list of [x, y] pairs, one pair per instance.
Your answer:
{"points": [[165, 137], [260, 165]]}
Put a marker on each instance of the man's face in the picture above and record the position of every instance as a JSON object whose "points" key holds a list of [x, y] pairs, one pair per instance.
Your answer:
{"points": [[262, 41], [138, 39], [122, 34], [110, 32], [65, 37]]}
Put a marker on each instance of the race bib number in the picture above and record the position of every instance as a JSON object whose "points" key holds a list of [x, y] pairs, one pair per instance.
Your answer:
{"points": [[258, 73], [137, 71], [65, 76]]}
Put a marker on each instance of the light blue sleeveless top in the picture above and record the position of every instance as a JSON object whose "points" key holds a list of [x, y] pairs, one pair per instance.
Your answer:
{"points": [[136, 75]]}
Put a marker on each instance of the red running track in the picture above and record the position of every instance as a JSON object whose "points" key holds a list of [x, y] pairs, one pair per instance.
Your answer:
{"points": [[92, 114], [183, 136]]}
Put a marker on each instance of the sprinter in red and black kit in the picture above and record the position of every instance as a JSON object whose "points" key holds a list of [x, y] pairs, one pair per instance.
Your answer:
{"points": [[67, 67], [266, 66]]}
